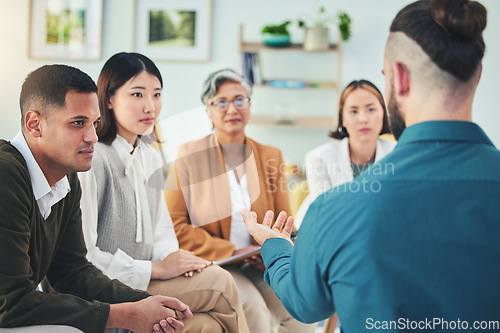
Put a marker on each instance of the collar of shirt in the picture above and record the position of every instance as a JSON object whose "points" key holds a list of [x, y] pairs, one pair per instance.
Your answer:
{"points": [[125, 150], [45, 195], [444, 130], [142, 153]]}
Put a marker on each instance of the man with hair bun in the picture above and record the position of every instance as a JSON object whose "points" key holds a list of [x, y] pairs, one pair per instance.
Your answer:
{"points": [[421, 254]]}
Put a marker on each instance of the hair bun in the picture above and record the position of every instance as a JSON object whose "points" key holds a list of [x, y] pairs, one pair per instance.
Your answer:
{"points": [[462, 19]]}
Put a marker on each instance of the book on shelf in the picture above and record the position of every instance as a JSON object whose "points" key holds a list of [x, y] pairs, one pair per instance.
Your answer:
{"points": [[257, 77], [251, 67]]}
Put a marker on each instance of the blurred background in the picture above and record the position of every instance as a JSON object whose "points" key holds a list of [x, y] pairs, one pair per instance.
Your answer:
{"points": [[361, 57]]}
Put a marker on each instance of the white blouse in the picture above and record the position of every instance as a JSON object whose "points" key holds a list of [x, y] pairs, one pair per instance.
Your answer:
{"points": [[240, 198], [132, 272]]}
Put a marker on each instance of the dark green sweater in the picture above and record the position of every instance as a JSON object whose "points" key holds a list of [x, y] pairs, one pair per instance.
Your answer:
{"points": [[31, 248]]}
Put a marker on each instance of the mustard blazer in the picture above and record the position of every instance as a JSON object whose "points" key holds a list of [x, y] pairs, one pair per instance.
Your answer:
{"points": [[198, 197]]}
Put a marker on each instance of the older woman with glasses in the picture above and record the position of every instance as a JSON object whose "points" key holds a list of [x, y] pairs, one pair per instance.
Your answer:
{"points": [[218, 175]]}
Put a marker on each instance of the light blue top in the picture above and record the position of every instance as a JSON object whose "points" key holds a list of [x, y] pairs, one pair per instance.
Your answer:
{"points": [[414, 245]]}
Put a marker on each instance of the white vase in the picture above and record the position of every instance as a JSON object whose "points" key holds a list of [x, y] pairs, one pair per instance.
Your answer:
{"points": [[316, 39]]}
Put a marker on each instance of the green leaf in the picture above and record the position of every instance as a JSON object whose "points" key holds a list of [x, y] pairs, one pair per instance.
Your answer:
{"points": [[344, 25], [277, 28]]}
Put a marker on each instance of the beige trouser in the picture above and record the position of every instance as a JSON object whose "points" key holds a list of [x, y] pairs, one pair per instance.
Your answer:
{"points": [[213, 298], [263, 309]]}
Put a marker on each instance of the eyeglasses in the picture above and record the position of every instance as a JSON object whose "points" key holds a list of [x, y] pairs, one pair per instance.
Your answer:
{"points": [[240, 104]]}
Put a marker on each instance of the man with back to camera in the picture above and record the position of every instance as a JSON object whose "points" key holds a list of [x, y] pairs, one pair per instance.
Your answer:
{"points": [[40, 226], [415, 249]]}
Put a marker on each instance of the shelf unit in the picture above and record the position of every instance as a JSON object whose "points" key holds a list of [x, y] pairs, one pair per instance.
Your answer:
{"points": [[328, 85], [303, 121], [256, 47]]}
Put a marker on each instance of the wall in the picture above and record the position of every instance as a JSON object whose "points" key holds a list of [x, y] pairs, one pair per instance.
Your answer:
{"points": [[362, 57]]}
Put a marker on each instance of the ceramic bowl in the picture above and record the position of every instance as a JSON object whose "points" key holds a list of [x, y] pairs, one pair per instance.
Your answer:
{"points": [[275, 40]]}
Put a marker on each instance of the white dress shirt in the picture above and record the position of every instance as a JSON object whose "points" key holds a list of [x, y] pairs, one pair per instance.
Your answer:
{"points": [[132, 272], [45, 195]]}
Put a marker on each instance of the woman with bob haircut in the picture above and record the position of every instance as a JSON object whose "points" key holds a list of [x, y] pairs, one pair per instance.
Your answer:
{"points": [[218, 175], [127, 227]]}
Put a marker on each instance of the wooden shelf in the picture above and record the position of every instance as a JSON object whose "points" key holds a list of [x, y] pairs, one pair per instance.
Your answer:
{"points": [[257, 47], [325, 85], [304, 122]]}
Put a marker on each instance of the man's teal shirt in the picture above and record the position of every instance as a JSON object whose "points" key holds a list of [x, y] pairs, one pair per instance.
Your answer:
{"points": [[413, 244]]}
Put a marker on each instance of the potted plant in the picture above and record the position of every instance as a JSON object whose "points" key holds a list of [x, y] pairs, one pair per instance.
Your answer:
{"points": [[316, 35], [276, 35]]}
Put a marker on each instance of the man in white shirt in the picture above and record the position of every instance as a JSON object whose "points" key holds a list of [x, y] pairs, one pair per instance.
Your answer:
{"points": [[40, 228]]}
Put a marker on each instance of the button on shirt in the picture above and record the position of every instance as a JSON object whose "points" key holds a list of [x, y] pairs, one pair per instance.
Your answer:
{"points": [[418, 242], [45, 195]]}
